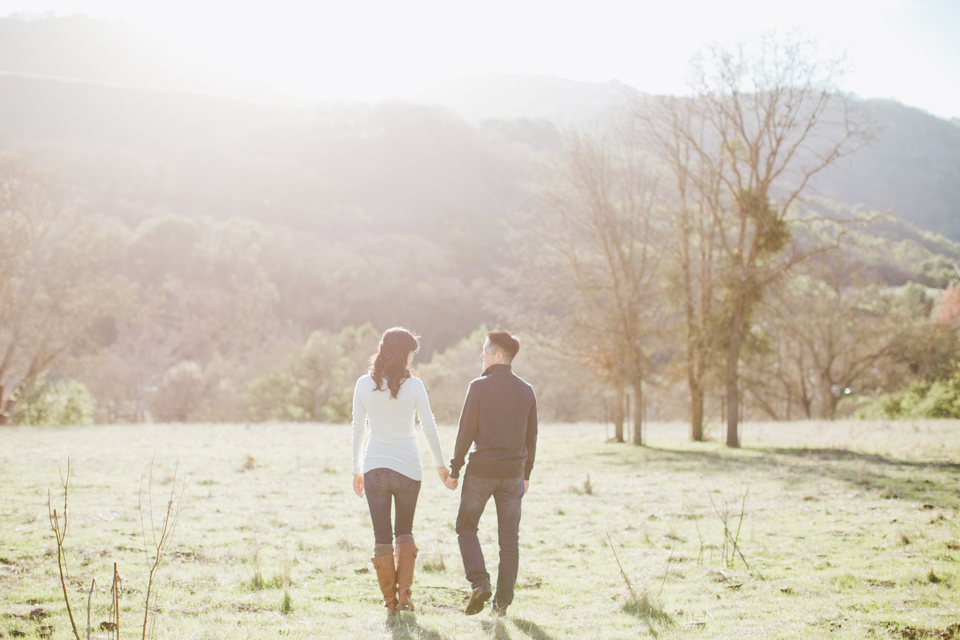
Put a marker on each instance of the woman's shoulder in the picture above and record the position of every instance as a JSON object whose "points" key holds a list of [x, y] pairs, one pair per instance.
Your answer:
{"points": [[415, 383], [364, 378]]}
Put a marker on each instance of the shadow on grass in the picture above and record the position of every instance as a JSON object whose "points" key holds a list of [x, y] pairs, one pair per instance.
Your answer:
{"points": [[874, 472], [846, 454], [498, 626], [870, 471], [404, 626], [650, 613], [532, 629]]}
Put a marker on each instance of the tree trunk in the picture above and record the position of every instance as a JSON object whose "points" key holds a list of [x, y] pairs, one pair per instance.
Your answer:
{"points": [[4, 419], [828, 401], [618, 413], [695, 367], [789, 402], [733, 378], [696, 412], [694, 348], [830, 408], [7, 405], [638, 412]]}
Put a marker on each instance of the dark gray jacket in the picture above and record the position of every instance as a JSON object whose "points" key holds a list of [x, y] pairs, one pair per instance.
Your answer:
{"points": [[499, 422]]}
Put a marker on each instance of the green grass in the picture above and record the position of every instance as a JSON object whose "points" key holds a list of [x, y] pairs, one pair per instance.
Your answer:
{"points": [[850, 530]]}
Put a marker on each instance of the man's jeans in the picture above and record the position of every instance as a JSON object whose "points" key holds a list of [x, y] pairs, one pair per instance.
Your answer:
{"points": [[383, 487], [507, 495]]}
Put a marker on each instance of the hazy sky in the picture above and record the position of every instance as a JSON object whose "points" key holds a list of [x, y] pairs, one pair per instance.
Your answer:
{"points": [[370, 49]]}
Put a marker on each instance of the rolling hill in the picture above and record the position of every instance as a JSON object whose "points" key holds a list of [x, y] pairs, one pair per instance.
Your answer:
{"points": [[144, 128]]}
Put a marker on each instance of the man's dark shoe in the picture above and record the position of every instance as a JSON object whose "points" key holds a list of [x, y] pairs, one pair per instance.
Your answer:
{"points": [[498, 610], [479, 596]]}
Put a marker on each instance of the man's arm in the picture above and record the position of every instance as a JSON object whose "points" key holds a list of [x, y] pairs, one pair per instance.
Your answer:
{"points": [[467, 431], [531, 440]]}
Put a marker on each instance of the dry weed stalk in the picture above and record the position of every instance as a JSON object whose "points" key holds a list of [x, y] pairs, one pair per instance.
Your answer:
{"points": [[665, 572], [60, 531], [162, 543], [623, 574], [696, 524], [93, 583], [639, 604], [728, 536], [115, 588]]}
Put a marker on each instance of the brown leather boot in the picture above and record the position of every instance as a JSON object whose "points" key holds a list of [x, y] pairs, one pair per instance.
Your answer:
{"points": [[387, 577], [406, 558]]}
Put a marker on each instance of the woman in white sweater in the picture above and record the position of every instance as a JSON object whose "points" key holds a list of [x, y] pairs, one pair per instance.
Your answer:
{"points": [[386, 402]]}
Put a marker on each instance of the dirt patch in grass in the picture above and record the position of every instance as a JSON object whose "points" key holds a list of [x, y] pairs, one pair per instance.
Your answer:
{"points": [[951, 632]]}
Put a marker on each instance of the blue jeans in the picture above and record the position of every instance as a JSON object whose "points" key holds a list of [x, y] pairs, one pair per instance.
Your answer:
{"points": [[383, 487], [507, 495]]}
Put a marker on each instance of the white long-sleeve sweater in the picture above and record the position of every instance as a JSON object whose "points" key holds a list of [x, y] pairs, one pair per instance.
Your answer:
{"points": [[392, 441]]}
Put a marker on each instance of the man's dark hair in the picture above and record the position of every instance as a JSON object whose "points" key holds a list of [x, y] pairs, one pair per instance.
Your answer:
{"points": [[505, 343]]}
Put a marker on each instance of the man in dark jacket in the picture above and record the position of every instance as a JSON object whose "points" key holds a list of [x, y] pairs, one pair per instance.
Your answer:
{"points": [[499, 422]]}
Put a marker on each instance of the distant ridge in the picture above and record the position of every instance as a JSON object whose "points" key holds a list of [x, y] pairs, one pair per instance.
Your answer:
{"points": [[912, 169], [113, 52], [96, 112], [507, 96], [82, 83], [287, 102]]}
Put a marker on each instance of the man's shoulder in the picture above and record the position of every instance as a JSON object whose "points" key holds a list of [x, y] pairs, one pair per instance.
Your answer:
{"points": [[511, 379], [525, 383], [526, 386]]}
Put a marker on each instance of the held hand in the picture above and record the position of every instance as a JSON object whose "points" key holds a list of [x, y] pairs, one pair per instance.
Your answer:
{"points": [[358, 484], [444, 473], [451, 483]]}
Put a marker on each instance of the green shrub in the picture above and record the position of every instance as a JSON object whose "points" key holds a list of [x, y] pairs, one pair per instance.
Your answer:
{"points": [[66, 402], [317, 382], [923, 399]]}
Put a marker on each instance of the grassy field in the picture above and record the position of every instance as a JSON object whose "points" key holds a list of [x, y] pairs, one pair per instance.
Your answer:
{"points": [[848, 530]]}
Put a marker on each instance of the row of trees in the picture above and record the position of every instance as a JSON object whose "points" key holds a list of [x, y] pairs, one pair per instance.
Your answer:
{"points": [[676, 265], [193, 319], [183, 319], [678, 240], [58, 275]]}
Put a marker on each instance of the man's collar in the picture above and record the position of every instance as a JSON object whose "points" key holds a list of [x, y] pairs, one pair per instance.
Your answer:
{"points": [[498, 369]]}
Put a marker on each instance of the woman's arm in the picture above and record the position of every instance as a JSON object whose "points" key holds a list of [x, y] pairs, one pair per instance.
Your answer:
{"points": [[428, 424], [358, 430]]}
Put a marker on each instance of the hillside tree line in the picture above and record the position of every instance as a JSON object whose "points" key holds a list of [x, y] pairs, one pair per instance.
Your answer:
{"points": [[669, 262]]}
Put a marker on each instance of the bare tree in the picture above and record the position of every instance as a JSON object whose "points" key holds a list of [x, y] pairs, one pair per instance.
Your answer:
{"points": [[588, 270], [57, 275], [692, 191], [824, 334], [767, 116]]}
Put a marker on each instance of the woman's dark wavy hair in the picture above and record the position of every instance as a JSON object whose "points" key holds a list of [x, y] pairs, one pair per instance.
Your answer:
{"points": [[389, 363]]}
